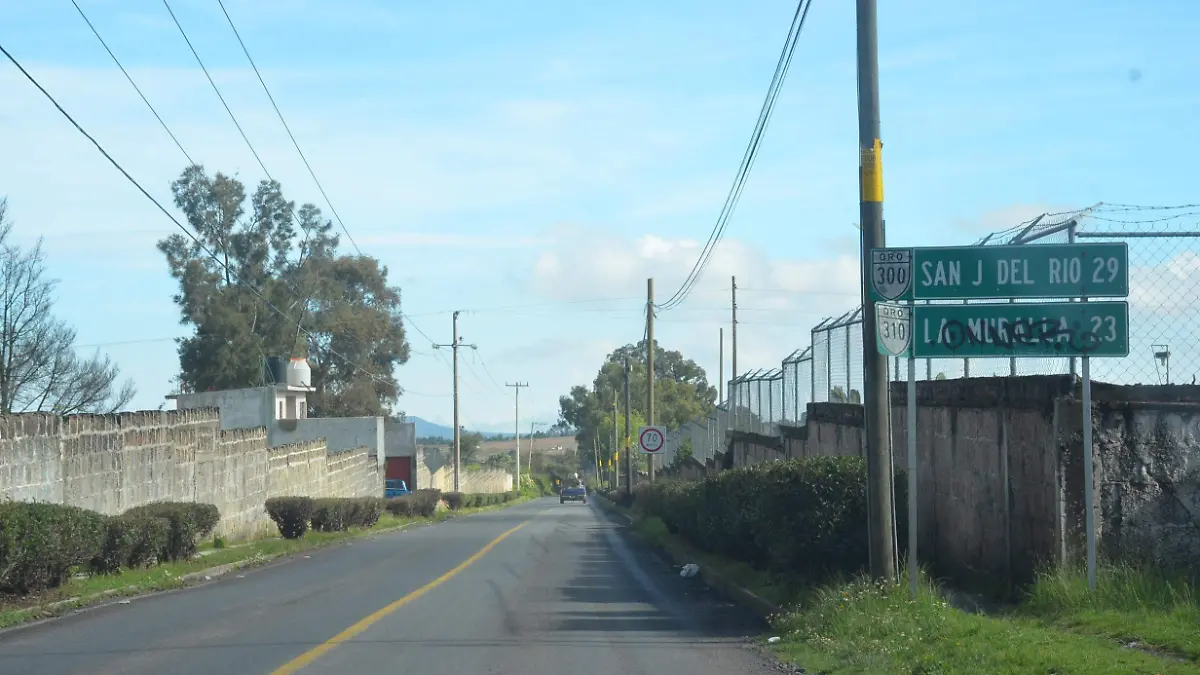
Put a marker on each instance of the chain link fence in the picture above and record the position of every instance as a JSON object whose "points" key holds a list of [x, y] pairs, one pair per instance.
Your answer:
{"points": [[1164, 330]]}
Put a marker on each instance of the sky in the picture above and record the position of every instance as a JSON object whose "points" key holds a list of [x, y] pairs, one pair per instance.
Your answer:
{"points": [[532, 164]]}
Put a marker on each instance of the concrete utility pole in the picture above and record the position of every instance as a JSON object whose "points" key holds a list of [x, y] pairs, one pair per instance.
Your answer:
{"points": [[517, 386], [875, 384], [628, 459], [650, 366], [721, 367], [454, 345], [733, 373]]}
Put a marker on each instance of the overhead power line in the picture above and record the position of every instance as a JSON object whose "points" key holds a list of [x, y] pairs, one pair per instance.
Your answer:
{"points": [[133, 181], [286, 128], [748, 158], [245, 138], [131, 82]]}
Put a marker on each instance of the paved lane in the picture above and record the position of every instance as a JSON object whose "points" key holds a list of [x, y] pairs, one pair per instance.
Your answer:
{"points": [[536, 589]]}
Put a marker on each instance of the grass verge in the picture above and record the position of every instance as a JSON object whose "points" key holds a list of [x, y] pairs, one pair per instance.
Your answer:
{"points": [[860, 627], [1138, 607], [82, 591]]}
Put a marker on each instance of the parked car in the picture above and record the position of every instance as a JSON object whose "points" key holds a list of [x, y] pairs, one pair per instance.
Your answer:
{"points": [[394, 487]]}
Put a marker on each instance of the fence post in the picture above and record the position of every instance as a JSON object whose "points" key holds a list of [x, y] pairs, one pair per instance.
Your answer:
{"points": [[848, 378], [828, 362]]}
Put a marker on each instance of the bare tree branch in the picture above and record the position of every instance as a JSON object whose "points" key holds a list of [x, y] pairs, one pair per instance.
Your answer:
{"points": [[39, 369]]}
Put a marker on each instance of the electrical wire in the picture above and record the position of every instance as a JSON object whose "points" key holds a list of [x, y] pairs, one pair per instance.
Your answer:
{"points": [[487, 370], [253, 150], [748, 158], [283, 121], [217, 90], [131, 82], [133, 181]]}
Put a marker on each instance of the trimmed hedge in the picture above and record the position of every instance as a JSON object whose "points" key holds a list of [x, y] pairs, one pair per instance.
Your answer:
{"points": [[41, 543], [189, 523], [805, 517], [291, 515], [294, 515], [131, 541], [366, 511]]}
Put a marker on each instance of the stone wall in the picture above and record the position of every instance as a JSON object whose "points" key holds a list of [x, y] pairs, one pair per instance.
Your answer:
{"points": [[429, 471], [1000, 473], [111, 463]]}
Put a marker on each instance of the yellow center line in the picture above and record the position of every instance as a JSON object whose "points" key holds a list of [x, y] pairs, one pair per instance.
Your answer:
{"points": [[361, 625]]}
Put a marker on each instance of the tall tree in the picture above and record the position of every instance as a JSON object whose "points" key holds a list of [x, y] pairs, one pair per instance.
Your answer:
{"points": [[39, 367], [264, 279], [681, 393]]}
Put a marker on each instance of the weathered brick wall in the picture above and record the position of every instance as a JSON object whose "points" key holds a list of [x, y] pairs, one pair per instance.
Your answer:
{"points": [[111, 463]]}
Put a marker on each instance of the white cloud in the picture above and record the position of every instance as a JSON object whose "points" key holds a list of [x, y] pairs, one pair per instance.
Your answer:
{"points": [[1170, 288], [1006, 217], [779, 298], [429, 239]]}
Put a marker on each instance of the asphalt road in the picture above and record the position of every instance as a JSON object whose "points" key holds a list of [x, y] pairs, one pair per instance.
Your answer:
{"points": [[564, 592]]}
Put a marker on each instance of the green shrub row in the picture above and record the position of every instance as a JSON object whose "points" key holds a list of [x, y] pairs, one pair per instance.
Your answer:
{"points": [[424, 503], [42, 544], [805, 517], [295, 515]]}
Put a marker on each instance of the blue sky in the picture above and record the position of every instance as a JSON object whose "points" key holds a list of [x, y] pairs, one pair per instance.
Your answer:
{"points": [[539, 155]]}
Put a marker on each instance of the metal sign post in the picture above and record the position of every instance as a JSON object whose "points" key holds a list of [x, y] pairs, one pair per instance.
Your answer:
{"points": [[893, 337], [1010, 330]]}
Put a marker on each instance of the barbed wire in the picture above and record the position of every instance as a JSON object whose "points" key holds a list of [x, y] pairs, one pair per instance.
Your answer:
{"points": [[1164, 333]]}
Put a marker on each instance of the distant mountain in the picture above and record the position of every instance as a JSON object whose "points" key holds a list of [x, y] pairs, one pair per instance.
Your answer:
{"points": [[427, 429], [431, 430]]}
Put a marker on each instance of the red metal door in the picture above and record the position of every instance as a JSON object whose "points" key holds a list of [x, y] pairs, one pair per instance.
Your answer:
{"points": [[399, 467]]}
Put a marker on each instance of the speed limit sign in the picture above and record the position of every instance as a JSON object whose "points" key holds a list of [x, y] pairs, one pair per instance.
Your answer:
{"points": [[652, 439]]}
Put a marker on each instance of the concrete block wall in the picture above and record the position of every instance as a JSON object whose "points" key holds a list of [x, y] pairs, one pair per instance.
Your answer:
{"points": [[353, 473], [429, 472], [1000, 489], [111, 463]]}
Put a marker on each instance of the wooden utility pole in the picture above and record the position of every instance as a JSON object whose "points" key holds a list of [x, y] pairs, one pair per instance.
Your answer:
{"points": [[614, 475], [721, 368], [650, 367], [875, 385], [733, 372], [628, 459]]}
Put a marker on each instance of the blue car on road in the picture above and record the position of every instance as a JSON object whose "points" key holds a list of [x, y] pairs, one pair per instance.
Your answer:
{"points": [[574, 493]]}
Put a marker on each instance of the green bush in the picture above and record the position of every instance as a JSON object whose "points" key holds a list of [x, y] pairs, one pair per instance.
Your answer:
{"points": [[331, 515], [131, 541], [190, 522], [426, 502], [404, 506], [454, 500], [291, 515], [41, 543], [365, 511], [804, 517]]}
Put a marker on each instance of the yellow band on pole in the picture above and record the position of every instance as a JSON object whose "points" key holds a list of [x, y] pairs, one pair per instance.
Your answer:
{"points": [[871, 169]]}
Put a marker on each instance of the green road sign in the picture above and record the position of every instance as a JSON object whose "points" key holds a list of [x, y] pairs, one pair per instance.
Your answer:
{"points": [[1096, 270], [893, 329], [1021, 330]]}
